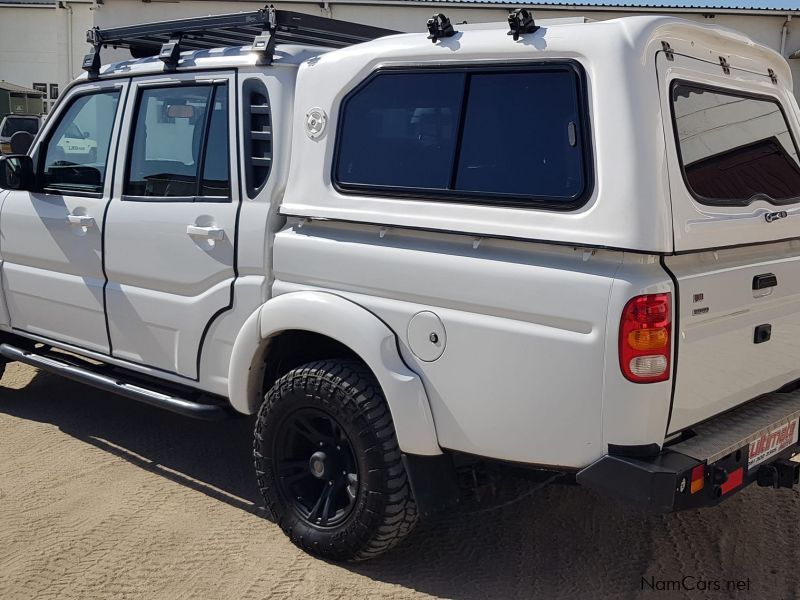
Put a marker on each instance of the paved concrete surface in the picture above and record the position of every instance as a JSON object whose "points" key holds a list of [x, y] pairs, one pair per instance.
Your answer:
{"points": [[101, 497]]}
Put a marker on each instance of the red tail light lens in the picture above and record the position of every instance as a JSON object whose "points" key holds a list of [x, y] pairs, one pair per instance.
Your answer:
{"points": [[645, 333]]}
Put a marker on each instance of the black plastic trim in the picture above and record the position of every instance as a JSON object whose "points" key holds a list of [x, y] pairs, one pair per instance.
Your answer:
{"points": [[676, 325], [433, 482], [120, 133], [559, 204], [236, 152], [634, 450], [250, 86]]}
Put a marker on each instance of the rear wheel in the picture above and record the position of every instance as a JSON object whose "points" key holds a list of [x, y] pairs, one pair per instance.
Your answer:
{"points": [[328, 463]]}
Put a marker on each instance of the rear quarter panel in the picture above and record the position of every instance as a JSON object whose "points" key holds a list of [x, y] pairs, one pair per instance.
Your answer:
{"points": [[522, 370]]}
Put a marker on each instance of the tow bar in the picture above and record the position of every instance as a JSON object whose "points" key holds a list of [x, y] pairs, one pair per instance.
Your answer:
{"points": [[780, 474]]}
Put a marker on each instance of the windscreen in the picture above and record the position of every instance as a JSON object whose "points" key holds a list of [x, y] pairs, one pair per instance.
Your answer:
{"points": [[734, 148], [12, 126]]}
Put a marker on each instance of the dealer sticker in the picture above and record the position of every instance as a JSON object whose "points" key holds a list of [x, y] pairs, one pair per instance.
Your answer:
{"points": [[772, 442]]}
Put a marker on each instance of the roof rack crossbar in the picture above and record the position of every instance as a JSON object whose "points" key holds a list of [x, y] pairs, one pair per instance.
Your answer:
{"points": [[261, 29]]}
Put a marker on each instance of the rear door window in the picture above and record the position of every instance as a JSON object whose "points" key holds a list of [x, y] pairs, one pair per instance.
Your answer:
{"points": [[180, 148], [734, 148], [510, 136]]}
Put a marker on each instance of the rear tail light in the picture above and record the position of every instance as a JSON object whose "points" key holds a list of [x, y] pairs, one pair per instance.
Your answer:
{"points": [[644, 338], [698, 478]]}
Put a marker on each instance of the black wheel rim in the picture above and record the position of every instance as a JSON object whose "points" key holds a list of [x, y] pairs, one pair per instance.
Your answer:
{"points": [[317, 471]]}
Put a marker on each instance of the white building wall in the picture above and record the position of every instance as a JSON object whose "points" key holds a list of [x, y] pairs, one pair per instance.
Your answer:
{"points": [[35, 43]]}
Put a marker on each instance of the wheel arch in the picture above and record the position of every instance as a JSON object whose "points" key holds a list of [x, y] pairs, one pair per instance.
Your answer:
{"points": [[348, 328]]}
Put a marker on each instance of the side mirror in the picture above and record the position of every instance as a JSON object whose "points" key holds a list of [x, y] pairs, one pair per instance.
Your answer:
{"points": [[16, 172], [21, 142]]}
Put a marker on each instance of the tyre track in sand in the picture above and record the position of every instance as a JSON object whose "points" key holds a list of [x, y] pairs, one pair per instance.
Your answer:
{"points": [[101, 497]]}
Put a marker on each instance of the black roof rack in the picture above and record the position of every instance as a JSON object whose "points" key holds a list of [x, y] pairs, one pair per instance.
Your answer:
{"points": [[261, 29]]}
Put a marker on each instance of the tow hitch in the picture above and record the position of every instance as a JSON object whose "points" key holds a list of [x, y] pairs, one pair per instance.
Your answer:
{"points": [[780, 474]]}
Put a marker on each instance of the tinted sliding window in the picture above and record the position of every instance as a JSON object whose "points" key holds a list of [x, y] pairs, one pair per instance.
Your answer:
{"points": [[734, 149], [180, 144], [508, 135], [76, 155]]}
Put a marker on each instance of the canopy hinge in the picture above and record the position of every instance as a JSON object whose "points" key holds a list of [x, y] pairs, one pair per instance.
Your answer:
{"points": [[668, 51]]}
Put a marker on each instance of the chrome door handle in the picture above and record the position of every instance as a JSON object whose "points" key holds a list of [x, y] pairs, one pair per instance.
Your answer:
{"points": [[208, 233], [81, 220]]}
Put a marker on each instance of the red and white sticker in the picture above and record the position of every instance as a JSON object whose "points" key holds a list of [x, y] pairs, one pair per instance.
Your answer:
{"points": [[772, 442]]}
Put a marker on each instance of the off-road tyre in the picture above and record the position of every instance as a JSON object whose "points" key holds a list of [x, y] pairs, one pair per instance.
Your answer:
{"points": [[382, 510]]}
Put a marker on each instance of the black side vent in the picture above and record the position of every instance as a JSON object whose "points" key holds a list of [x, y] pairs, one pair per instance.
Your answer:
{"points": [[258, 135]]}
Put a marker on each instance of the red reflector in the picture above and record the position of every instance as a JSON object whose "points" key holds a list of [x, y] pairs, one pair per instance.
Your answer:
{"points": [[698, 478], [734, 481]]}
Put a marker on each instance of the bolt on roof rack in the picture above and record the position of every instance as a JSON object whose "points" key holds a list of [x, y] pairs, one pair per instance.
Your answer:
{"points": [[261, 29]]}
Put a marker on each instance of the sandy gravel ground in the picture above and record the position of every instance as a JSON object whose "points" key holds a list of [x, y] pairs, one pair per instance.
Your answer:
{"points": [[101, 497]]}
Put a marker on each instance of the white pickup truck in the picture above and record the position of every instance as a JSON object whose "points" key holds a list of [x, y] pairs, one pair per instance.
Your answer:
{"points": [[564, 245]]}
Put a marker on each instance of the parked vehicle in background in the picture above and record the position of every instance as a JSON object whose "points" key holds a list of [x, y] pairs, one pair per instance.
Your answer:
{"points": [[19, 100], [564, 246], [14, 123]]}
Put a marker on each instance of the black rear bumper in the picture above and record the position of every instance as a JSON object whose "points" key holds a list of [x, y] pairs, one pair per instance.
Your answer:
{"points": [[716, 457]]}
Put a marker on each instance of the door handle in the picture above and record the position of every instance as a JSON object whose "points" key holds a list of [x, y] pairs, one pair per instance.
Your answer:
{"points": [[764, 281], [208, 233], [81, 220]]}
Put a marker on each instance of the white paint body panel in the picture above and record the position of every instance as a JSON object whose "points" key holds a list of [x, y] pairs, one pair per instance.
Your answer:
{"points": [[522, 367], [52, 272], [719, 366]]}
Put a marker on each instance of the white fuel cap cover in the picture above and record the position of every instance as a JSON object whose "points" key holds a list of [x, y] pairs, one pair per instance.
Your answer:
{"points": [[427, 337]]}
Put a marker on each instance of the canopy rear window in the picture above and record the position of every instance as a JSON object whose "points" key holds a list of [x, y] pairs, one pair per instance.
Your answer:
{"points": [[513, 136], [734, 148]]}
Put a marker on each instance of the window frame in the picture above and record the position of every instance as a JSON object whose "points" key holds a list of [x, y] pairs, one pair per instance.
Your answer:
{"points": [[131, 138], [550, 203], [43, 146], [736, 93]]}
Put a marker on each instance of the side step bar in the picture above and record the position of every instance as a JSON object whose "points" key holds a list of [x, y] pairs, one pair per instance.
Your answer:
{"points": [[116, 385]]}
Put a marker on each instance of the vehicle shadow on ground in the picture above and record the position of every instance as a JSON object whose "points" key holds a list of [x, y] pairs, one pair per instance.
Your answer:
{"points": [[561, 541]]}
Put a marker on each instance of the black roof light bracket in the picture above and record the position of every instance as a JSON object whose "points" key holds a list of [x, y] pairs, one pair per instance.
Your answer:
{"points": [[261, 30], [521, 22], [264, 43], [439, 26], [91, 62], [170, 52]]}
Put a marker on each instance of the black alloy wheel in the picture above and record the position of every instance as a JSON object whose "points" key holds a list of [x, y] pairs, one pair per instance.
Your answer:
{"points": [[317, 468], [328, 463]]}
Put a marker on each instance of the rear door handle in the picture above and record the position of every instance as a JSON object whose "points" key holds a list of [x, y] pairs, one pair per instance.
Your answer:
{"points": [[208, 233], [81, 220], [764, 281]]}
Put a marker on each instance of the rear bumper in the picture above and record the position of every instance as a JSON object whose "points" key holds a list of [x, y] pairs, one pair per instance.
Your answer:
{"points": [[717, 458]]}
